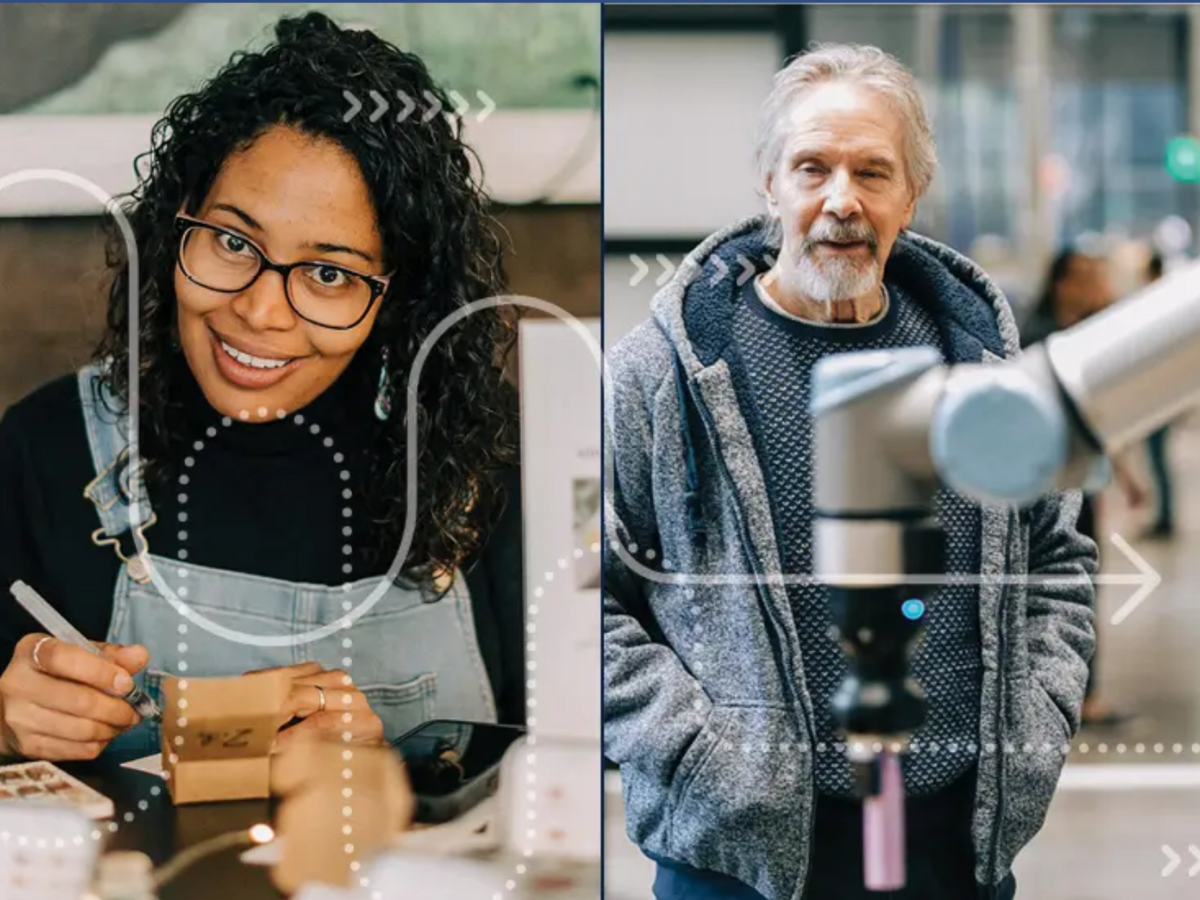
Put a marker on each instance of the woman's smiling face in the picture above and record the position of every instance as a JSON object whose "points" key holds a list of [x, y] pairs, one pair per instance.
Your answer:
{"points": [[297, 199]]}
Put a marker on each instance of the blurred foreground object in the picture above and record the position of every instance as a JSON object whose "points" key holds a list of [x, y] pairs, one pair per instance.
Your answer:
{"points": [[1006, 433], [339, 805], [46, 852]]}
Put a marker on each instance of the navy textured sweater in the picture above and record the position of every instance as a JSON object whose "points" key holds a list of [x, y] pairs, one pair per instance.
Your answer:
{"points": [[778, 354]]}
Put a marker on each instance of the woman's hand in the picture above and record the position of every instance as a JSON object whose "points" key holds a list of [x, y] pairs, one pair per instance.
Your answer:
{"points": [[328, 704], [61, 705]]}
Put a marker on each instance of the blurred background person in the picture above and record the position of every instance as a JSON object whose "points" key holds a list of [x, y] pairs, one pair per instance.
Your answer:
{"points": [[1079, 285], [1156, 449]]}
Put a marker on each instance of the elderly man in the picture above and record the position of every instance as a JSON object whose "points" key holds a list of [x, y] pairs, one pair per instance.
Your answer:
{"points": [[717, 690]]}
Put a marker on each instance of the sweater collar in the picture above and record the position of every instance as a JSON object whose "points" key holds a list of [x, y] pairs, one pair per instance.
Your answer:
{"points": [[695, 308]]}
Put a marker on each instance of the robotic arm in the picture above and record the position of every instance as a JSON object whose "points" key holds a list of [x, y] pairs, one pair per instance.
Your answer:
{"points": [[892, 425]]}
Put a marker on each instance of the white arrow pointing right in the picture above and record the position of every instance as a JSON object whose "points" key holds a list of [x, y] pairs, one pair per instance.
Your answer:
{"points": [[668, 270], [355, 106], [722, 270], [747, 270], [1196, 853], [1174, 860], [642, 269], [489, 106], [409, 106], [381, 105], [460, 104], [435, 107], [1148, 578]]}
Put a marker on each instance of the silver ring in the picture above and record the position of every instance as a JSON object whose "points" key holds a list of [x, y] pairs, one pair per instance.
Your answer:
{"points": [[38, 646], [321, 691]]}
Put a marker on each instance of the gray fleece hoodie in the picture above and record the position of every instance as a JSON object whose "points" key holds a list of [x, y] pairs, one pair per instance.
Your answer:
{"points": [[706, 710]]}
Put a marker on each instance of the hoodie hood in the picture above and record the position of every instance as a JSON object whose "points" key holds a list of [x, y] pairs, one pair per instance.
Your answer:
{"points": [[694, 309]]}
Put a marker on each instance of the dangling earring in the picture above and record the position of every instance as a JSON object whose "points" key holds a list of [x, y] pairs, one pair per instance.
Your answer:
{"points": [[383, 394]]}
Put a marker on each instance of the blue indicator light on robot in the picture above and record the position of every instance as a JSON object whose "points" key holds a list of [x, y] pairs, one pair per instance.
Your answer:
{"points": [[913, 609]]}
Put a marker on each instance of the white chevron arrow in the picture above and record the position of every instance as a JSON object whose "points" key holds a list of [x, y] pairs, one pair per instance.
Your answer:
{"points": [[460, 104], [642, 269], [1174, 861], [409, 106], [722, 270], [435, 107], [1196, 854], [769, 260], [1147, 577], [747, 270], [355, 106], [381, 105], [668, 270], [489, 106]]}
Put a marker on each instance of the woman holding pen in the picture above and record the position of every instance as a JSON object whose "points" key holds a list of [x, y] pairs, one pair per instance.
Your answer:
{"points": [[292, 262]]}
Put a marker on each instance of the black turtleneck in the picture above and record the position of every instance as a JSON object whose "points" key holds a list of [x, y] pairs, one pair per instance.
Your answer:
{"points": [[266, 499]]}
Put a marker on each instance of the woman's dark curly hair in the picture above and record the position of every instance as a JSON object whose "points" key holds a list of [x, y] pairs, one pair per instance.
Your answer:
{"points": [[438, 238]]}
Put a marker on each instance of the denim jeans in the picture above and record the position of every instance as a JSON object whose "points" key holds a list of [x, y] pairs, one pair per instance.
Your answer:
{"points": [[940, 856]]}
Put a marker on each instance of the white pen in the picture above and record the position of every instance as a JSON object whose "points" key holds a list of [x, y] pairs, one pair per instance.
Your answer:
{"points": [[52, 620]]}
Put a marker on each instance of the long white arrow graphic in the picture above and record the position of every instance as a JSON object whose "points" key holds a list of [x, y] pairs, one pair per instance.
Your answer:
{"points": [[1174, 861], [642, 269], [1196, 854], [1146, 579]]}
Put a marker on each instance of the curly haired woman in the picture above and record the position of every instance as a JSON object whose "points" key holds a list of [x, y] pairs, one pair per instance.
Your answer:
{"points": [[290, 269]]}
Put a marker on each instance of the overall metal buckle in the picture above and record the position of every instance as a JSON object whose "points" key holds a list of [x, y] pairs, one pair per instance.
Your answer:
{"points": [[136, 564]]}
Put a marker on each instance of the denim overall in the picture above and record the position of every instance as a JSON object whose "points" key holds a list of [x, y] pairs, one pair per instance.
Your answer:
{"points": [[415, 658]]}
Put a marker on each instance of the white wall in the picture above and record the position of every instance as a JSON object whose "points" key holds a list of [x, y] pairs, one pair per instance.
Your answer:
{"points": [[680, 115], [521, 151], [680, 112]]}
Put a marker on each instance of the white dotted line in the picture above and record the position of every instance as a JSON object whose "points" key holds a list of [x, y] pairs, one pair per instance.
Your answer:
{"points": [[347, 532], [184, 479], [531, 718], [1140, 748], [913, 749]]}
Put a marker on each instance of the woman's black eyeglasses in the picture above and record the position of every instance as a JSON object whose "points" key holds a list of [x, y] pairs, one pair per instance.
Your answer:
{"points": [[221, 260]]}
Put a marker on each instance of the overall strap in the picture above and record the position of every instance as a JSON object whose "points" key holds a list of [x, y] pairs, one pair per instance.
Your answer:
{"points": [[117, 491]]}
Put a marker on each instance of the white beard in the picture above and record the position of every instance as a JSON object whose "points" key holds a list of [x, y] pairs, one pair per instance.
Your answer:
{"points": [[833, 280]]}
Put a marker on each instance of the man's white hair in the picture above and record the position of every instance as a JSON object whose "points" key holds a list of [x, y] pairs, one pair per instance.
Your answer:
{"points": [[868, 67]]}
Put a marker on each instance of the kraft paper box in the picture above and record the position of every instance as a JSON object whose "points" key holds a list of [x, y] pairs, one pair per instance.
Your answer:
{"points": [[323, 812], [217, 744]]}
